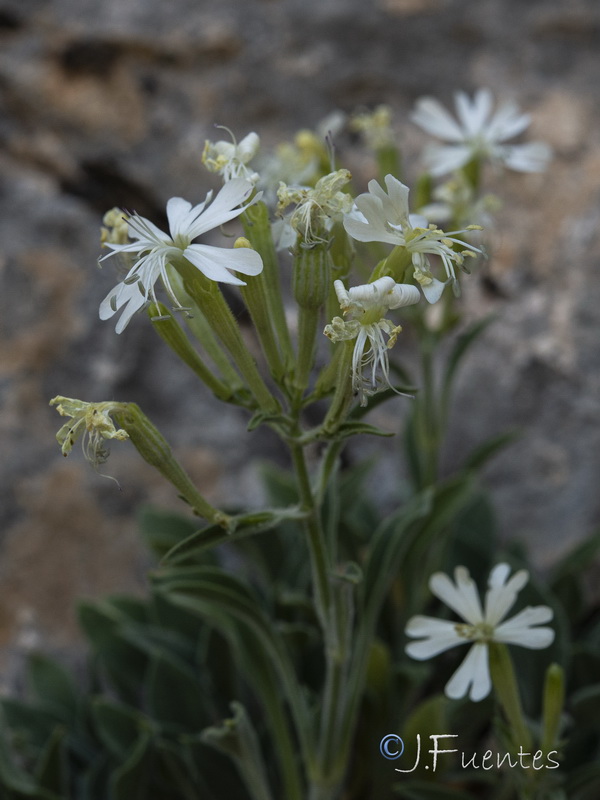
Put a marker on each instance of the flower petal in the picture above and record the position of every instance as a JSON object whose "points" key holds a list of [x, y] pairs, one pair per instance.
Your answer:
{"points": [[178, 211], [438, 636], [433, 290], [215, 262], [473, 113], [441, 159], [225, 207], [462, 598], [126, 295], [402, 294], [530, 157], [519, 629], [502, 593], [373, 229], [431, 115], [474, 672], [506, 123]]}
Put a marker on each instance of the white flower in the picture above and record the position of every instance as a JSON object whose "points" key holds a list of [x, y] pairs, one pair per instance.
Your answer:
{"points": [[482, 626], [366, 306], [230, 159], [477, 133], [381, 217], [157, 250], [316, 209]]}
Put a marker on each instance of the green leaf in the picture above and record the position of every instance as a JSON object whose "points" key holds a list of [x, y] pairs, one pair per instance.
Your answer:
{"points": [[131, 780], [237, 738], [52, 687], [32, 724], [123, 662], [347, 429], [162, 530], [243, 525], [473, 540], [579, 558], [228, 604], [174, 694], [585, 706], [91, 784], [117, 726], [484, 452], [461, 348], [51, 770], [11, 777]]}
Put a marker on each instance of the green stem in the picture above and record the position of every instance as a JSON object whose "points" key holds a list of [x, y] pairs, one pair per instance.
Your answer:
{"points": [[165, 324], [155, 450], [255, 298], [316, 540], [507, 691], [311, 284], [342, 396], [207, 296], [201, 330], [257, 228], [308, 320]]}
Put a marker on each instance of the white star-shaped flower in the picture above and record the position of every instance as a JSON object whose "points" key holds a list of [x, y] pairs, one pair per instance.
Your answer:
{"points": [[381, 217], [366, 307], [481, 626], [477, 133], [157, 250]]}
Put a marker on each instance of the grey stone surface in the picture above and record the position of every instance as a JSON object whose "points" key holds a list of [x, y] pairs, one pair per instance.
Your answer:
{"points": [[108, 102]]}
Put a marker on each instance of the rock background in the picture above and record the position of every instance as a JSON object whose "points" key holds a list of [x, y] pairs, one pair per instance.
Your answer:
{"points": [[108, 102]]}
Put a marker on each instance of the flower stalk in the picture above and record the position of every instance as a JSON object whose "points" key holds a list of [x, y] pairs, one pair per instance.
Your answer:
{"points": [[155, 450], [212, 304], [505, 686], [311, 281], [165, 324], [257, 229]]}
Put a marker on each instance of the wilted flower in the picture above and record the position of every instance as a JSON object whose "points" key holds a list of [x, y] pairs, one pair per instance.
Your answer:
{"points": [[230, 159], [157, 250], [366, 307], [316, 209], [482, 626], [92, 422], [478, 133], [381, 217]]}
